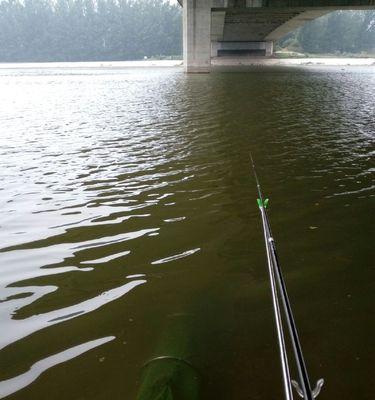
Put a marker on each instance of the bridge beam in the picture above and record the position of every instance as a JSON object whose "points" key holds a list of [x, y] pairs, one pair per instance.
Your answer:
{"points": [[197, 35]]}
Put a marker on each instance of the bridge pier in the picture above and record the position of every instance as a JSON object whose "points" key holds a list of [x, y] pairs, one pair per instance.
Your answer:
{"points": [[197, 35]]}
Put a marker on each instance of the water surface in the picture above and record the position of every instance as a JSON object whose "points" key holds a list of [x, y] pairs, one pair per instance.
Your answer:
{"points": [[129, 227]]}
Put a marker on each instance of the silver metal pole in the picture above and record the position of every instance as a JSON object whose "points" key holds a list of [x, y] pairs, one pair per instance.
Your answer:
{"points": [[278, 320], [300, 362], [275, 270]]}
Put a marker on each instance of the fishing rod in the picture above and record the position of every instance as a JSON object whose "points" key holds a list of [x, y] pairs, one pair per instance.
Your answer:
{"points": [[304, 388]]}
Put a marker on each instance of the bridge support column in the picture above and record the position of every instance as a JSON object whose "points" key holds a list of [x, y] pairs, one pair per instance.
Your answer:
{"points": [[269, 48], [197, 35]]}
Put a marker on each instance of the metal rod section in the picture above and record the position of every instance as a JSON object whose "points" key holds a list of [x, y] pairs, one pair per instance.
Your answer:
{"points": [[301, 365], [273, 261], [278, 320]]}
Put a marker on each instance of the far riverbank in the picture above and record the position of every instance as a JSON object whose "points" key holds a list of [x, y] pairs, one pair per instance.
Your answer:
{"points": [[222, 61]]}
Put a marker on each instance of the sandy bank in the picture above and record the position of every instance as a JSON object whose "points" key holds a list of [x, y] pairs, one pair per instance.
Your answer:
{"points": [[293, 61], [222, 61], [96, 64]]}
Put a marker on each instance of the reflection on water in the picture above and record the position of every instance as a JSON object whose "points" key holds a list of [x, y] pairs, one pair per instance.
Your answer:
{"points": [[176, 256], [126, 199], [17, 329], [13, 385]]}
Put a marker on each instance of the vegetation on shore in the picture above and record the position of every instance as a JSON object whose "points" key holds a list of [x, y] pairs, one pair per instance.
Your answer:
{"points": [[340, 34], [88, 30]]}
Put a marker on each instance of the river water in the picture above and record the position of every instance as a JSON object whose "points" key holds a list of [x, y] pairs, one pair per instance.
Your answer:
{"points": [[129, 227]]}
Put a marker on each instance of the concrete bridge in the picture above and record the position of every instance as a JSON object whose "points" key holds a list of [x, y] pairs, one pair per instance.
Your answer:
{"points": [[213, 28]]}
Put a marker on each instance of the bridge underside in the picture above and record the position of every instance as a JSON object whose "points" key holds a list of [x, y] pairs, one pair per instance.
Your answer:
{"points": [[247, 27]]}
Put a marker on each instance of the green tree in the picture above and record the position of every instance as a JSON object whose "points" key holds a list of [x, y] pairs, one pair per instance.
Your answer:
{"points": [[337, 32], [76, 30]]}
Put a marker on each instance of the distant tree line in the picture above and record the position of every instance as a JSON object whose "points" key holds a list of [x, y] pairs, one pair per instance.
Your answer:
{"points": [[78, 30], [335, 33], [89, 30]]}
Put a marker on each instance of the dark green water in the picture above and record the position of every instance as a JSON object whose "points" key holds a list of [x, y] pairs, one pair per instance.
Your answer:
{"points": [[129, 228]]}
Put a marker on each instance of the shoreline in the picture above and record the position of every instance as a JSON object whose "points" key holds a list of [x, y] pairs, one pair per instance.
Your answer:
{"points": [[328, 61], [215, 62], [95, 64]]}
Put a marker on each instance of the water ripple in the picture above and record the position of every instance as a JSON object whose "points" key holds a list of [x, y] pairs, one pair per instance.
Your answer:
{"points": [[106, 175], [12, 385], [16, 329], [176, 256]]}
